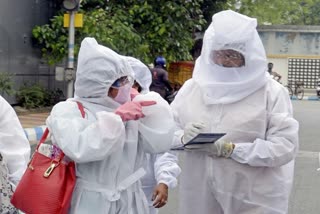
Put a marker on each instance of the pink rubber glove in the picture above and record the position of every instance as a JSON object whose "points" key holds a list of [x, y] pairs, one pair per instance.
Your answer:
{"points": [[133, 93], [133, 110]]}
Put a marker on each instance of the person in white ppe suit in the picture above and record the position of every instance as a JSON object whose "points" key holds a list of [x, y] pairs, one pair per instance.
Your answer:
{"points": [[14, 145], [162, 169], [250, 169], [108, 145], [14, 151]]}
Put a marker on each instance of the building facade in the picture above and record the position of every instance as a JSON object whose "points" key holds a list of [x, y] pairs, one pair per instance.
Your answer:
{"points": [[18, 55], [294, 51]]}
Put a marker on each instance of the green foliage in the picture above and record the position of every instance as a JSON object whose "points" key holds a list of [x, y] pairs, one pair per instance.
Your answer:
{"points": [[33, 96], [286, 12], [52, 39], [113, 32], [6, 83], [210, 7], [142, 29], [306, 12], [53, 97]]}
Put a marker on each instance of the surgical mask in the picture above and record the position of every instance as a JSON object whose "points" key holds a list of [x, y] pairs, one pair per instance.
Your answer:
{"points": [[123, 94]]}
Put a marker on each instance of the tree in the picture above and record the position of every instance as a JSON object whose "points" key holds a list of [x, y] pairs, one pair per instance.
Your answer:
{"points": [[210, 7], [140, 28], [286, 12]]}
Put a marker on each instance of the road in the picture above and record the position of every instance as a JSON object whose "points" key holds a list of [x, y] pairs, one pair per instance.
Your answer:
{"points": [[305, 196]]}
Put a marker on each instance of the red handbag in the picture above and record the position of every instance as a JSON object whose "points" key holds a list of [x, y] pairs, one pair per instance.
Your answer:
{"points": [[47, 185]]}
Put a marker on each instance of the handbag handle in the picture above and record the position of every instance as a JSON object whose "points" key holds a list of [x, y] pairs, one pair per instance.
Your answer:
{"points": [[46, 132]]}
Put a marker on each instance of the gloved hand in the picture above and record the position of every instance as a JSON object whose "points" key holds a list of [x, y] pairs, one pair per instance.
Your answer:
{"points": [[133, 110], [219, 148], [191, 130], [133, 93]]}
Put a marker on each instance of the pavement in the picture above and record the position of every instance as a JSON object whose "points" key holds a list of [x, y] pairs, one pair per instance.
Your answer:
{"points": [[308, 97], [33, 123], [33, 119], [309, 94]]}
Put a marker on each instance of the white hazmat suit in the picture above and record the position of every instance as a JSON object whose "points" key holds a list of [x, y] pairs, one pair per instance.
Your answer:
{"points": [[108, 152], [253, 110], [14, 145], [160, 168]]}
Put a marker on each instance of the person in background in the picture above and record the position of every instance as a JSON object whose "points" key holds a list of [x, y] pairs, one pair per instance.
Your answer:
{"points": [[160, 82], [273, 74], [176, 88], [14, 154], [162, 169], [109, 144], [250, 169], [196, 49], [270, 67]]}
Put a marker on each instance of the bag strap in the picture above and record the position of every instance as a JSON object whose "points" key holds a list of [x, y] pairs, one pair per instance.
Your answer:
{"points": [[43, 138], [80, 107], [46, 131]]}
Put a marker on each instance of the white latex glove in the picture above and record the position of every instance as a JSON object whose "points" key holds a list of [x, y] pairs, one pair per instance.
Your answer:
{"points": [[219, 148], [191, 130]]}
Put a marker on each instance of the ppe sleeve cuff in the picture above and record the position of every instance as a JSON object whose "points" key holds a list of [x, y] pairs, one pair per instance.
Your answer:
{"points": [[239, 153], [170, 185], [177, 142]]}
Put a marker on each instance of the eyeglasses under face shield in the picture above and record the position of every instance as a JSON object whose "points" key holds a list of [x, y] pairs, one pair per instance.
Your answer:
{"points": [[228, 58], [122, 81]]}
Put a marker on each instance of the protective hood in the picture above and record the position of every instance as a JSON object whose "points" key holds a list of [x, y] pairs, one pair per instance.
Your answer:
{"points": [[98, 68], [231, 30], [142, 73]]}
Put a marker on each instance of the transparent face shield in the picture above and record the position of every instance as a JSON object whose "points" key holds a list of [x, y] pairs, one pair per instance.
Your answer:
{"points": [[122, 81], [227, 58]]}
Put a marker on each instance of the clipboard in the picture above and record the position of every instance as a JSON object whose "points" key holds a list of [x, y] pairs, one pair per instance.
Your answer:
{"points": [[202, 138]]}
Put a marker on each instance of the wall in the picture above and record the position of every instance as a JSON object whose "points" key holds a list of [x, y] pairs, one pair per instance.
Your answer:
{"points": [[284, 42], [17, 54]]}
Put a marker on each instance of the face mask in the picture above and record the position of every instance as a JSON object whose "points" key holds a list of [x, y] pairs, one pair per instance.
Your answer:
{"points": [[123, 94]]}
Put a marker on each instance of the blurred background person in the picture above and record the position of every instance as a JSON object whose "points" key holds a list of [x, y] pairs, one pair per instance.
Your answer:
{"points": [[273, 73], [162, 169], [160, 82]]}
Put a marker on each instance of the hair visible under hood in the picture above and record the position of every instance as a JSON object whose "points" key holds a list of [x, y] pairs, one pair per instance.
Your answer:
{"points": [[98, 67], [142, 73], [231, 30]]}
